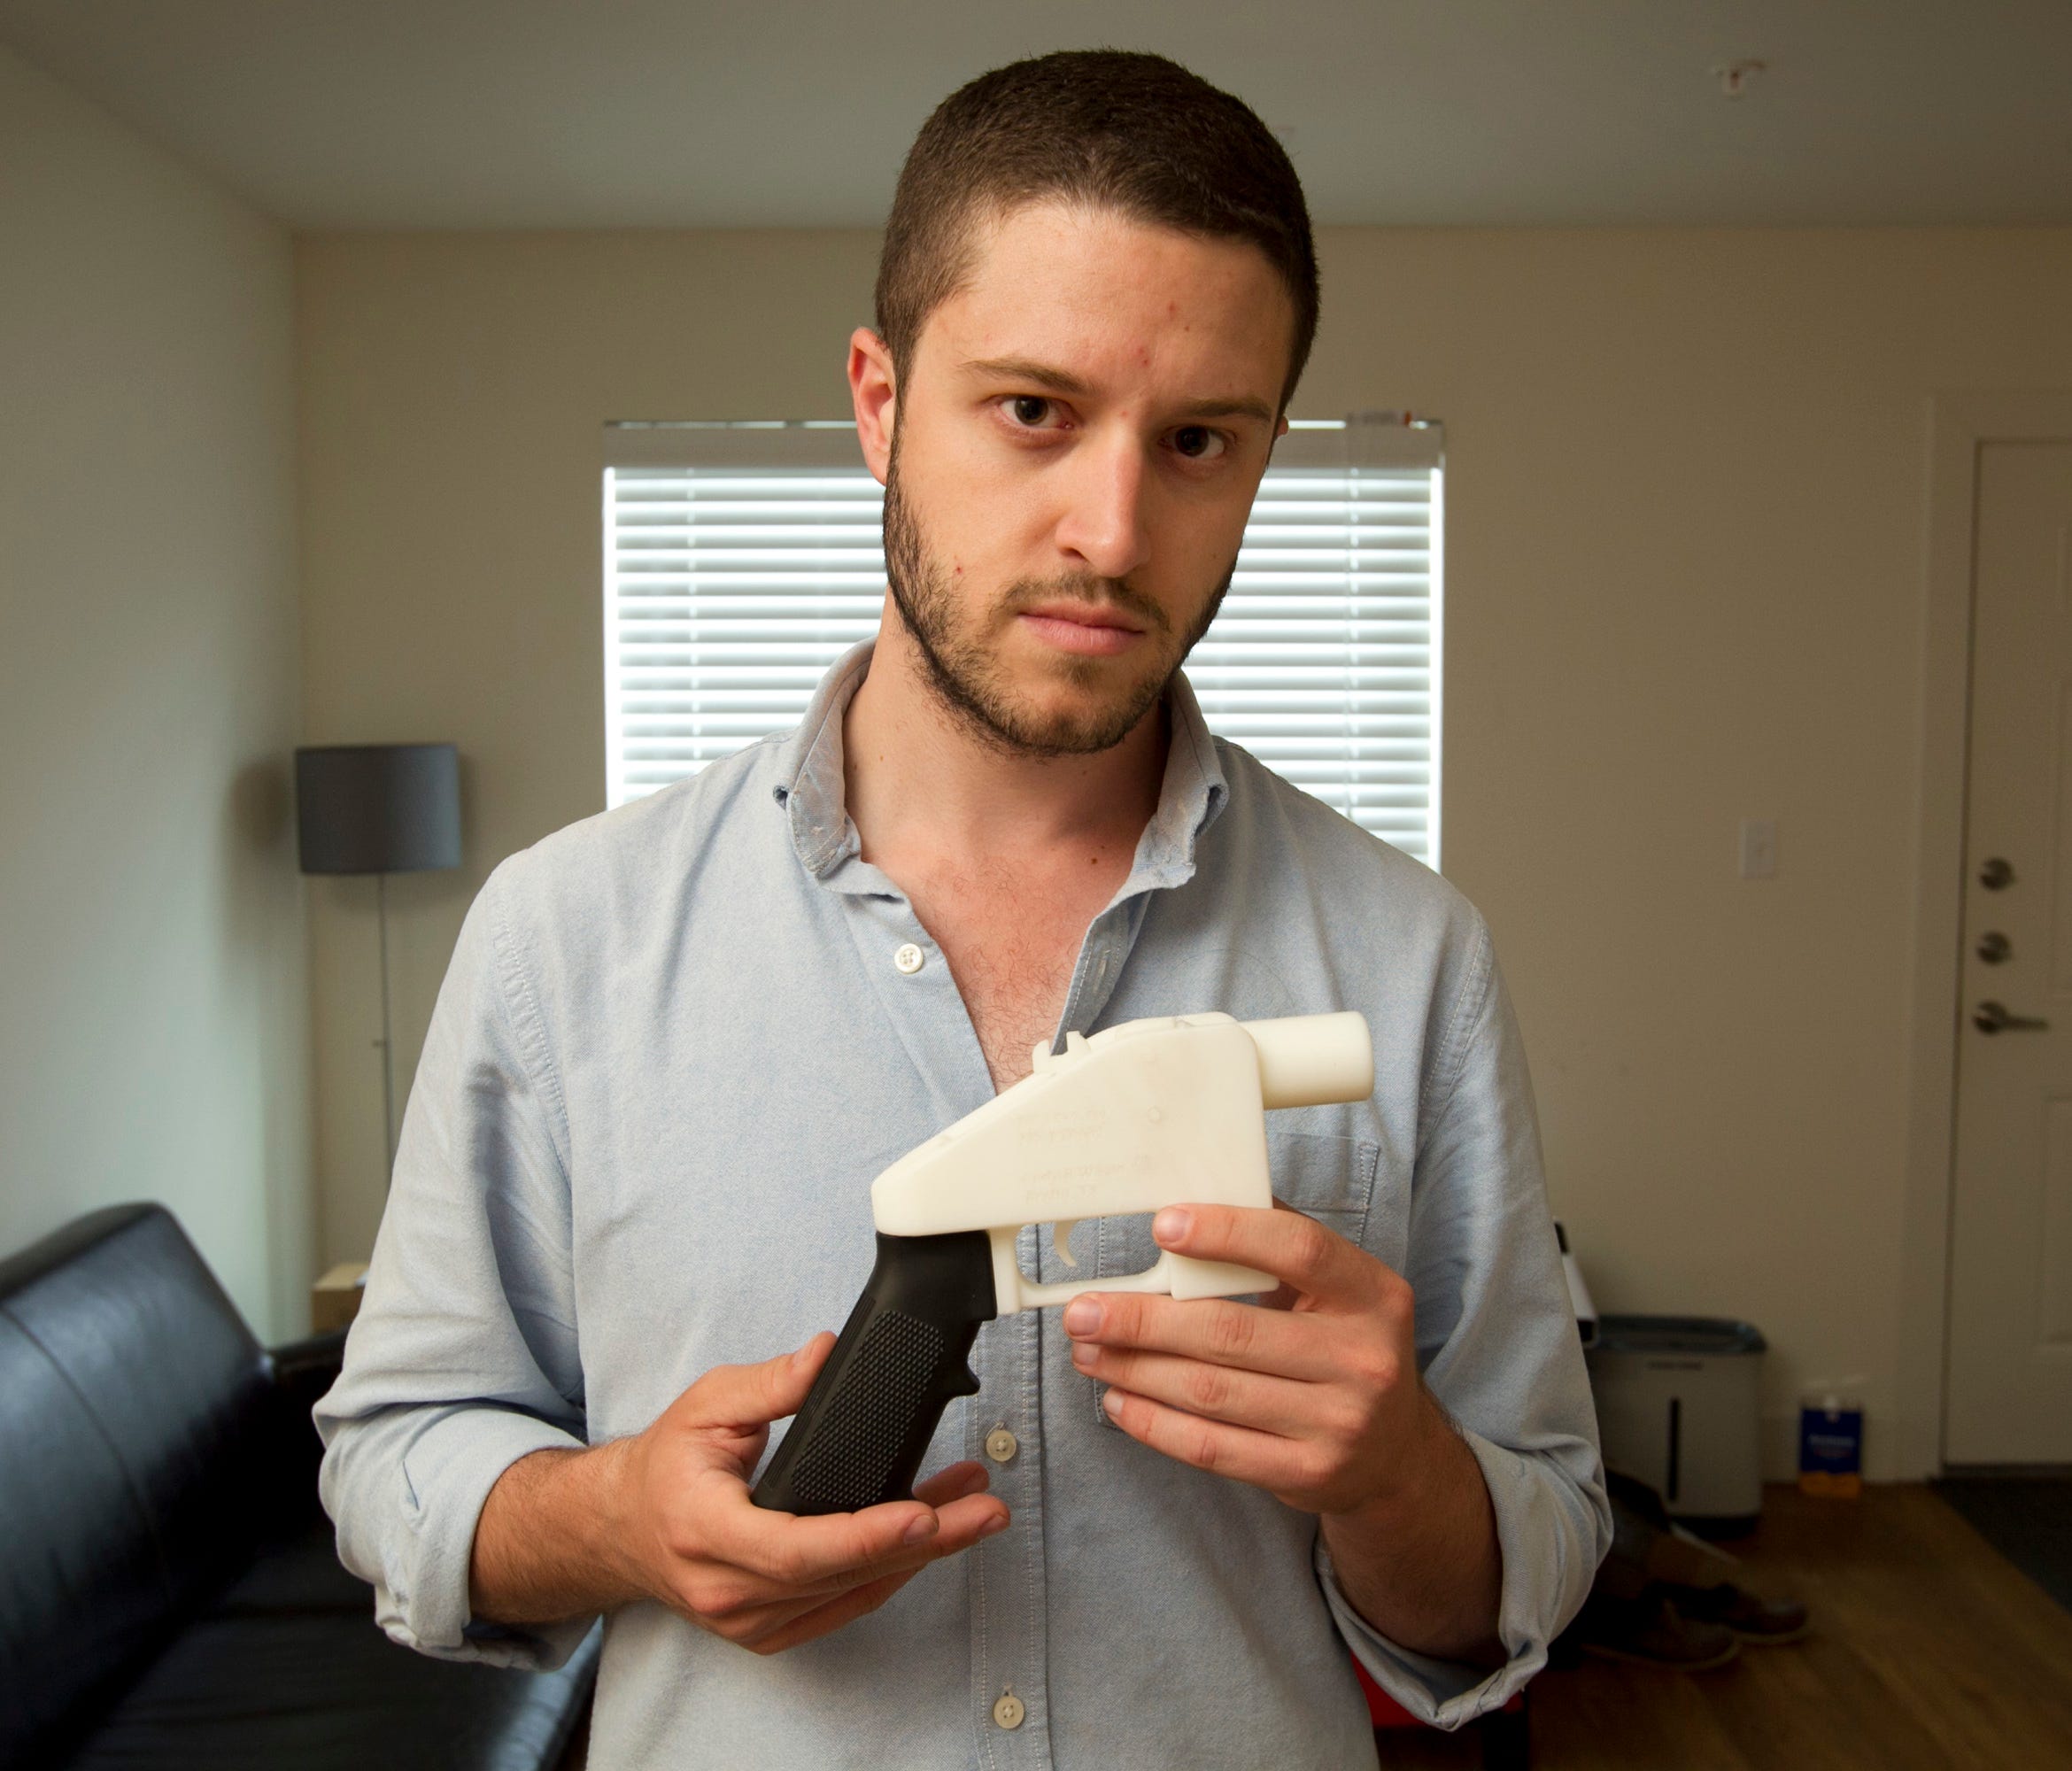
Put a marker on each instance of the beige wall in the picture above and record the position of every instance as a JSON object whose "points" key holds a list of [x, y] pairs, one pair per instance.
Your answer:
{"points": [[152, 969], [1685, 508]]}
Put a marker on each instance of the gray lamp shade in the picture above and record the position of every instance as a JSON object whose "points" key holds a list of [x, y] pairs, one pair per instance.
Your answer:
{"points": [[378, 808]]}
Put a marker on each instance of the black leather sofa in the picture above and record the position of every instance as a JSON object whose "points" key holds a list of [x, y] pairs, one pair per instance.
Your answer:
{"points": [[170, 1596]]}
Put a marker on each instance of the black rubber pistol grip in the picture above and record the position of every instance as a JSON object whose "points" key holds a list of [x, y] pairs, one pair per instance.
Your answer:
{"points": [[859, 1435]]}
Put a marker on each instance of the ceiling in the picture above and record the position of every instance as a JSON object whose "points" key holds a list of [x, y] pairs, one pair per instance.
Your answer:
{"points": [[673, 113]]}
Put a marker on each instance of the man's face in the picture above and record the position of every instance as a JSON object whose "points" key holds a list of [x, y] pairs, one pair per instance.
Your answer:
{"points": [[1077, 442]]}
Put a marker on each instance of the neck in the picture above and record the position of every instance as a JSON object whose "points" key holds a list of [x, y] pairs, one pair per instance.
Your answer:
{"points": [[918, 778]]}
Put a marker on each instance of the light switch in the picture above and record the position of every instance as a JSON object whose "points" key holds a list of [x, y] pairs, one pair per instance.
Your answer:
{"points": [[1758, 848]]}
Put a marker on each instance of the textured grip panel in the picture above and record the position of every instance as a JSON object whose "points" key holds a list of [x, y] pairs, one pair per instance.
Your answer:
{"points": [[865, 1426], [849, 1456]]}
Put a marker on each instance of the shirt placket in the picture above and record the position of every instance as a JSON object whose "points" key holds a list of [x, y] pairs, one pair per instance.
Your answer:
{"points": [[1003, 1422], [1008, 1433], [1005, 1575]]}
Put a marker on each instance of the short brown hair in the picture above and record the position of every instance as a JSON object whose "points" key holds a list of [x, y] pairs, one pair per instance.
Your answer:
{"points": [[1126, 131]]}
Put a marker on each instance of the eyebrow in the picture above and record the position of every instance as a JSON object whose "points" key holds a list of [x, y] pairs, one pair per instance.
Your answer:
{"points": [[1061, 381]]}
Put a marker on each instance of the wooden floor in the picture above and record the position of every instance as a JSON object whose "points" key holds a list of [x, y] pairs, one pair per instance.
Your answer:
{"points": [[1927, 1649]]}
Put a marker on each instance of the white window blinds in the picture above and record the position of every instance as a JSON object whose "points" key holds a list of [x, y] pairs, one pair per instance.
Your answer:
{"points": [[740, 560]]}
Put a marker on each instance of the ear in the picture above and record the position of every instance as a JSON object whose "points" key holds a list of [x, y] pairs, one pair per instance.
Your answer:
{"points": [[874, 391]]}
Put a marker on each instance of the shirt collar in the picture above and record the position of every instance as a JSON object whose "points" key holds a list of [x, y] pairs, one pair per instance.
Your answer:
{"points": [[809, 788], [1190, 798], [810, 768]]}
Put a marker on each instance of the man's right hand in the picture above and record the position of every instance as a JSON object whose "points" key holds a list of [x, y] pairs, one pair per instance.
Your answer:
{"points": [[666, 1515]]}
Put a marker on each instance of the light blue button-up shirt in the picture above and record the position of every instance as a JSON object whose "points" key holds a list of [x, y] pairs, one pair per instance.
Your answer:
{"points": [[674, 1048]]}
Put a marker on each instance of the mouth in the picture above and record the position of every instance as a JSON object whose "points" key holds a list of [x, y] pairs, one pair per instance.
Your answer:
{"points": [[1088, 630]]}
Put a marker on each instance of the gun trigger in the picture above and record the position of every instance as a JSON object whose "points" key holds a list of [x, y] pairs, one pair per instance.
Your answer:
{"points": [[1061, 1240]]}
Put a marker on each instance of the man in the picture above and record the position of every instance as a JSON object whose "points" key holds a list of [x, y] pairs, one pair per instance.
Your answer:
{"points": [[677, 1041]]}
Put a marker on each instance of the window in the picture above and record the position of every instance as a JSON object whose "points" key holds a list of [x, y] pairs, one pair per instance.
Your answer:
{"points": [[740, 560]]}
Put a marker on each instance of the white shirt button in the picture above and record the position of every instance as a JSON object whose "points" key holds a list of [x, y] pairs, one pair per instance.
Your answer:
{"points": [[910, 959], [1000, 1446], [1009, 1710]]}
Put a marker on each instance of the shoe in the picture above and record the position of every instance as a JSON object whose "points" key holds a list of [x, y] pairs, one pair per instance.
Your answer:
{"points": [[1649, 1631], [1749, 1616]]}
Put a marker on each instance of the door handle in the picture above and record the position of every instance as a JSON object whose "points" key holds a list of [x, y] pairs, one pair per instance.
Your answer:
{"points": [[1993, 1017]]}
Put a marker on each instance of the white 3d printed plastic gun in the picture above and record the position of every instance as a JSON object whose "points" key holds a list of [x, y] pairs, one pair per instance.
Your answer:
{"points": [[1144, 1114]]}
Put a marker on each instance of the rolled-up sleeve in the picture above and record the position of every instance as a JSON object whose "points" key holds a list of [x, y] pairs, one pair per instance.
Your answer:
{"points": [[463, 1358], [1498, 1347]]}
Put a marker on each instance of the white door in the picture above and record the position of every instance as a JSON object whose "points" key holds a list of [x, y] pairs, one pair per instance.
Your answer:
{"points": [[2010, 1352]]}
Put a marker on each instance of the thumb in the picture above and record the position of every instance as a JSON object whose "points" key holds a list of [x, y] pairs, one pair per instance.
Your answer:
{"points": [[749, 1397]]}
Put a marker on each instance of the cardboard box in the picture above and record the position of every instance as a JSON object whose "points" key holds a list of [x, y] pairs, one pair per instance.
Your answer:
{"points": [[335, 1300]]}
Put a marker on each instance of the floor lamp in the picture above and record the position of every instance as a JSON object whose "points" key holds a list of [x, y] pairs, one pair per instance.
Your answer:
{"points": [[379, 808]]}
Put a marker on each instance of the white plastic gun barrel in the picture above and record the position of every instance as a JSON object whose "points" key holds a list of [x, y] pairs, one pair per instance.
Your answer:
{"points": [[1150, 1113]]}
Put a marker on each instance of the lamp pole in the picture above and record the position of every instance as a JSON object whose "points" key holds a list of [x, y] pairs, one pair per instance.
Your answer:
{"points": [[388, 1064]]}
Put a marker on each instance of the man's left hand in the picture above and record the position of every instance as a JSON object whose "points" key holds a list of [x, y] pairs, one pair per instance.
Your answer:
{"points": [[1315, 1398]]}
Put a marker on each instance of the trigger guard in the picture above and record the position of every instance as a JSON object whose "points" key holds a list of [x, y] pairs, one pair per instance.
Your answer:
{"points": [[1061, 1241]]}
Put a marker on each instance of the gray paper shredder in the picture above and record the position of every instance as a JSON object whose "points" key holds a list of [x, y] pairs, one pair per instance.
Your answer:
{"points": [[1679, 1408]]}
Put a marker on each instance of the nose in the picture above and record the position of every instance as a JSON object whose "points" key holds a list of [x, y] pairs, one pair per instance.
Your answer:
{"points": [[1103, 524]]}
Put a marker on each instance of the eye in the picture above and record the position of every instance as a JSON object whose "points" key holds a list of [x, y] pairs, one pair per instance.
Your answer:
{"points": [[1030, 409], [1198, 441]]}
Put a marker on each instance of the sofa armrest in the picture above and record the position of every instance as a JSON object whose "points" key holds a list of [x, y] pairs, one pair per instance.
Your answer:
{"points": [[302, 1370], [316, 1355]]}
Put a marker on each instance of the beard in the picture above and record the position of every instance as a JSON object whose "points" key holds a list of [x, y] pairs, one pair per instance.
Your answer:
{"points": [[967, 674]]}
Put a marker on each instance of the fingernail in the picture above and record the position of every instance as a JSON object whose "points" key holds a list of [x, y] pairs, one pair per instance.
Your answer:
{"points": [[1082, 1315], [1172, 1225], [995, 1525], [1084, 1355], [1112, 1402], [922, 1529]]}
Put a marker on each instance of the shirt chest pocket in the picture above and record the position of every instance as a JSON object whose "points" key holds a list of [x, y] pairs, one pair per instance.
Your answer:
{"points": [[1329, 1179]]}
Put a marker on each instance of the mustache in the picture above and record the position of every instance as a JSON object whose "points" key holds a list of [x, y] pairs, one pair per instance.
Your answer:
{"points": [[1094, 592]]}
